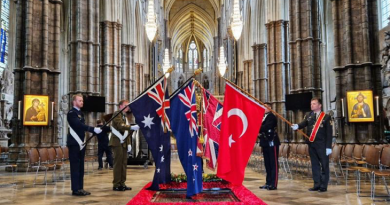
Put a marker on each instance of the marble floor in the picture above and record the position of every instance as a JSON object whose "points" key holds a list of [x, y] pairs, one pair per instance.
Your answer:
{"points": [[99, 184]]}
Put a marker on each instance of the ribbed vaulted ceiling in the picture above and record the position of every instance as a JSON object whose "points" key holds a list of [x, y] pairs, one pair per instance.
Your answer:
{"points": [[191, 19]]}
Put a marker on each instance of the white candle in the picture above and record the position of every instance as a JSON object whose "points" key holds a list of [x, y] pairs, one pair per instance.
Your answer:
{"points": [[377, 105], [342, 107], [52, 111], [19, 108]]}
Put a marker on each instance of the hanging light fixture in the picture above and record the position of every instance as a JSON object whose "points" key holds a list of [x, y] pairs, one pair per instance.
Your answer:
{"points": [[222, 61], [151, 26], [236, 24], [166, 62]]}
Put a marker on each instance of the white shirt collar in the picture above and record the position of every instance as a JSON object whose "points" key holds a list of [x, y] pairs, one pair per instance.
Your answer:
{"points": [[78, 109]]}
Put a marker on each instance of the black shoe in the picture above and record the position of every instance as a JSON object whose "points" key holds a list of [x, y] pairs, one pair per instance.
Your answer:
{"points": [[314, 189], [111, 168], [126, 188], [322, 190], [120, 188], [78, 193], [265, 186], [100, 168], [272, 188], [85, 192]]}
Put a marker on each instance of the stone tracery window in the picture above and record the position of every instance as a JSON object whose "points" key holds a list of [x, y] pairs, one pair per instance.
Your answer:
{"points": [[384, 13], [192, 56], [205, 59], [4, 25], [179, 61]]}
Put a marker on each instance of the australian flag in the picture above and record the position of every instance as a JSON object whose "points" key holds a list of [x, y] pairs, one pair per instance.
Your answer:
{"points": [[151, 112], [184, 127]]}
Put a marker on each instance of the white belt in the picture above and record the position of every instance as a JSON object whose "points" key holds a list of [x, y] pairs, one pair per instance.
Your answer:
{"points": [[119, 135], [76, 137]]}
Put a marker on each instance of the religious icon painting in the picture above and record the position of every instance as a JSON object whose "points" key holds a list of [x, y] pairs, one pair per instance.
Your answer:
{"points": [[360, 106], [36, 110]]}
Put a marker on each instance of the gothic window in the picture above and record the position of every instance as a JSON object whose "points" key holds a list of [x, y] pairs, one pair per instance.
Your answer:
{"points": [[384, 13], [208, 60], [4, 25], [205, 59], [192, 56], [179, 61]]}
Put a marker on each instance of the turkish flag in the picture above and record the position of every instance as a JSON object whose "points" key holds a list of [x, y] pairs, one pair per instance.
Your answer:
{"points": [[241, 122]]}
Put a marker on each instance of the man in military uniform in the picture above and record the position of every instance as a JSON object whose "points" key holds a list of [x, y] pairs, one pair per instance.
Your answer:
{"points": [[269, 141], [75, 143], [319, 130], [120, 130]]}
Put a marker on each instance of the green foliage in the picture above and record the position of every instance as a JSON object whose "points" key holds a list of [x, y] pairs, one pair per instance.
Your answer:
{"points": [[206, 178]]}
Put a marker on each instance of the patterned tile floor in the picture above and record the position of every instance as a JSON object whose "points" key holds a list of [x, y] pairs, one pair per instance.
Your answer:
{"points": [[99, 184]]}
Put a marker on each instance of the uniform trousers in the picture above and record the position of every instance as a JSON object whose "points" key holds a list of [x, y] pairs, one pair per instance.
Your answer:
{"points": [[271, 155], [319, 165], [76, 159], [120, 166]]}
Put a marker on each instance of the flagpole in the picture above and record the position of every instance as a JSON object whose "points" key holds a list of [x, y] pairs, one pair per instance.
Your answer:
{"points": [[196, 72], [106, 123], [270, 109]]}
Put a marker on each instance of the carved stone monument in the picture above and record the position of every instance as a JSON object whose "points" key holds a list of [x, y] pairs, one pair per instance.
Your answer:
{"points": [[6, 102]]}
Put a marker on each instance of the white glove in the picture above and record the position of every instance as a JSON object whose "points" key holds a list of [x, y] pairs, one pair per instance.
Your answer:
{"points": [[294, 126], [134, 127], [97, 130], [129, 148], [328, 151]]}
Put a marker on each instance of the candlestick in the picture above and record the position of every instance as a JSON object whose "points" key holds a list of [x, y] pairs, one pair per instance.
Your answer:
{"points": [[52, 111], [19, 108], [377, 105], [342, 107]]}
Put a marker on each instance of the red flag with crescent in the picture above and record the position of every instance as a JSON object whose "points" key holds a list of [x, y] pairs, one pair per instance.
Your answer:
{"points": [[241, 121]]}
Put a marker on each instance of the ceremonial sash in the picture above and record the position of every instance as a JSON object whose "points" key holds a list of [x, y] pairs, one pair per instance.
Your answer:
{"points": [[316, 127], [76, 137], [119, 135]]}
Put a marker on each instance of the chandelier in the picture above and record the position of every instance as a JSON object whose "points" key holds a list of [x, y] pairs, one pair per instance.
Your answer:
{"points": [[166, 62], [236, 24], [151, 26], [222, 61]]}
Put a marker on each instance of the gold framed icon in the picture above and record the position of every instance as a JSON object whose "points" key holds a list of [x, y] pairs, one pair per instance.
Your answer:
{"points": [[36, 110], [360, 106]]}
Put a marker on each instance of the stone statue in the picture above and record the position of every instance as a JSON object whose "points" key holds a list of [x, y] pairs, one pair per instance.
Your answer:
{"points": [[7, 82], [8, 116], [64, 104]]}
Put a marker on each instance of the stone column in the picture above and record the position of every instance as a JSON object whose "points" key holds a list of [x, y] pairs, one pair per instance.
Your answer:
{"points": [[357, 65], [84, 73], [111, 63], [305, 52], [278, 70], [36, 73], [260, 77], [217, 44]]}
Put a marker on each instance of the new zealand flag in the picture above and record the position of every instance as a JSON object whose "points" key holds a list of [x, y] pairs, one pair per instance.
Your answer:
{"points": [[151, 112], [184, 127]]}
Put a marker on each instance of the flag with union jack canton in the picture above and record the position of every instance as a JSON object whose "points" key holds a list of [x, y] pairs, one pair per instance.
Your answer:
{"points": [[184, 127], [151, 111], [212, 115]]}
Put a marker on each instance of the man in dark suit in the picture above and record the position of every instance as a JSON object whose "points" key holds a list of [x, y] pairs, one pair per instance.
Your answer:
{"points": [[319, 130], [103, 145], [75, 143], [269, 141]]}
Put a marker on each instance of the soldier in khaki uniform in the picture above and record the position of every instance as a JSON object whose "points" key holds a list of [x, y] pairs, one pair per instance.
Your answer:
{"points": [[120, 139]]}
